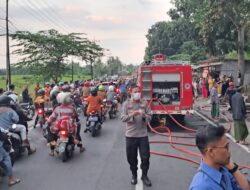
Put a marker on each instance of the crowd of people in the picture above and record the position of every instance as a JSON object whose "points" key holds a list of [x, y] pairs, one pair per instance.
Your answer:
{"points": [[64, 98], [221, 90]]}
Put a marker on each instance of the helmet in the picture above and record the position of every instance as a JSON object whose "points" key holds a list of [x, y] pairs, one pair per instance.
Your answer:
{"points": [[93, 91], [101, 88], [5, 100], [47, 83], [61, 84], [14, 98], [54, 92], [66, 88], [231, 83], [86, 84], [80, 82], [64, 98], [111, 88], [41, 92]]}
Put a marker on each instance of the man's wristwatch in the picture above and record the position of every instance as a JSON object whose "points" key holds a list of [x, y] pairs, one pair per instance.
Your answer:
{"points": [[234, 169]]}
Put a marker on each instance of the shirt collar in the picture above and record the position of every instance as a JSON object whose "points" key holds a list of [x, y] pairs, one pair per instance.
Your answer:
{"points": [[211, 172]]}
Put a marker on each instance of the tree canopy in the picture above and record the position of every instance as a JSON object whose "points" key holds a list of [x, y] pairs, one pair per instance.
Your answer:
{"points": [[45, 52], [210, 28]]}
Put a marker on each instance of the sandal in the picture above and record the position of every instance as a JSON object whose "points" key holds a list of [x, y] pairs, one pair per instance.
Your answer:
{"points": [[15, 181]]}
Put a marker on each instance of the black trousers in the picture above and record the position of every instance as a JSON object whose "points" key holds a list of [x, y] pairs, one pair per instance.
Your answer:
{"points": [[133, 144]]}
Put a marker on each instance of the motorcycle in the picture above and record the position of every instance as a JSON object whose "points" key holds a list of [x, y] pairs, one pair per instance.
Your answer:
{"points": [[65, 144], [40, 115], [111, 108], [43, 115], [84, 106], [93, 123], [28, 108], [13, 144]]}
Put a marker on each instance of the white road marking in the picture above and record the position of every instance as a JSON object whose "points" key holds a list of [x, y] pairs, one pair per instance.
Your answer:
{"points": [[228, 135], [139, 185]]}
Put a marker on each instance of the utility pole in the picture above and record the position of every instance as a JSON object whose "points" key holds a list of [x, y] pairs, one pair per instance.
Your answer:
{"points": [[8, 74], [72, 69], [91, 68]]}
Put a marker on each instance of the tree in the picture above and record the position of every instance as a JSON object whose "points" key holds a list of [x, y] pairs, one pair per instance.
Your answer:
{"points": [[222, 24], [239, 14], [168, 37], [44, 52], [114, 65]]}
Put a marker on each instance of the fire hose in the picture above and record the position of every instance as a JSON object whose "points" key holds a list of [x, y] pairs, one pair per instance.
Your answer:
{"points": [[172, 143]]}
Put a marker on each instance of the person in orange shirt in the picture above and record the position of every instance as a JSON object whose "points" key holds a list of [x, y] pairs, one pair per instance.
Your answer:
{"points": [[94, 102], [39, 103], [36, 89], [47, 91]]}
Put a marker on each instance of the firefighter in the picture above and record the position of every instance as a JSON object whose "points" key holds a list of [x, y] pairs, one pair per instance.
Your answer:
{"points": [[136, 114]]}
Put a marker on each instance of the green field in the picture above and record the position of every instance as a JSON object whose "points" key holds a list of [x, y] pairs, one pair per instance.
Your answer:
{"points": [[21, 80]]}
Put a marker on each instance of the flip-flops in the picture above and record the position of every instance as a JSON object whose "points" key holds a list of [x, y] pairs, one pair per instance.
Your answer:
{"points": [[14, 182]]}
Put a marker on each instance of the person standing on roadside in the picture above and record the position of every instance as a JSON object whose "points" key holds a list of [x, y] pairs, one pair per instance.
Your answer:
{"points": [[215, 110], [230, 92], [25, 95], [137, 114], [239, 115], [204, 88], [123, 92], [37, 87], [217, 171]]}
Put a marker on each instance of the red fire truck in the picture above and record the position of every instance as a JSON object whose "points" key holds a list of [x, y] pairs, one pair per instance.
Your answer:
{"points": [[167, 86]]}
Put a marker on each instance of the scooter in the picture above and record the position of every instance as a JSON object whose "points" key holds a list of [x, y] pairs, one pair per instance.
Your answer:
{"points": [[84, 106], [93, 123], [65, 144], [28, 108], [13, 144], [111, 108]]}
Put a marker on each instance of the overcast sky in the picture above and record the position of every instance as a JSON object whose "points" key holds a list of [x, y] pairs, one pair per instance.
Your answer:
{"points": [[118, 25]]}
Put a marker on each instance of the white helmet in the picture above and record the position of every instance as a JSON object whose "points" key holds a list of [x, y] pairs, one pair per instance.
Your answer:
{"points": [[64, 98], [14, 98], [111, 88]]}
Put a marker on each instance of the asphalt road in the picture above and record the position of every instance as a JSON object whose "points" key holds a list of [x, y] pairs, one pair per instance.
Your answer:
{"points": [[103, 165]]}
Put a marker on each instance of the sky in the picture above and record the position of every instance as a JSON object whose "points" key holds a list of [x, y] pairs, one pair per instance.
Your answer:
{"points": [[119, 26]]}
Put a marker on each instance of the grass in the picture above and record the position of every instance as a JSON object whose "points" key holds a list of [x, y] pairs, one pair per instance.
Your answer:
{"points": [[21, 80], [234, 55]]}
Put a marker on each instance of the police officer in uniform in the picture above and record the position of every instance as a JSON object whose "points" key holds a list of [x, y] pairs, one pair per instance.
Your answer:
{"points": [[137, 114]]}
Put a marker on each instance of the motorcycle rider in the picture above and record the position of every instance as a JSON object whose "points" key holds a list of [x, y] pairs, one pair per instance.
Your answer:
{"points": [[101, 92], [111, 96], [86, 89], [23, 119], [47, 90], [8, 117], [123, 91], [5, 161], [39, 103], [94, 103], [53, 94], [65, 110]]}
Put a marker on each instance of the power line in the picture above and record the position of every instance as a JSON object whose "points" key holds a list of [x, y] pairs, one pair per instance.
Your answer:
{"points": [[33, 13], [11, 18], [54, 15], [35, 7]]}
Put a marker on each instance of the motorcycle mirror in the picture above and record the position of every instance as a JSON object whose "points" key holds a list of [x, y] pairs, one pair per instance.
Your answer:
{"points": [[14, 126]]}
